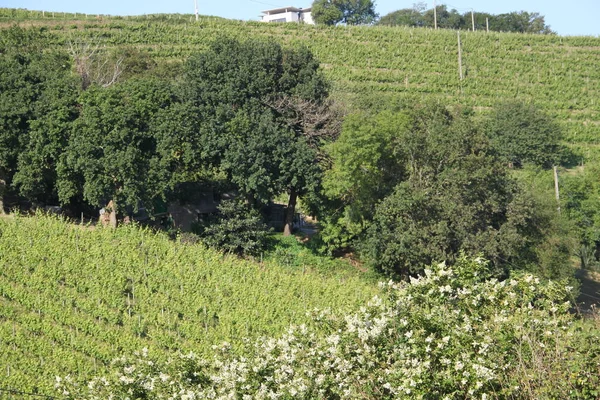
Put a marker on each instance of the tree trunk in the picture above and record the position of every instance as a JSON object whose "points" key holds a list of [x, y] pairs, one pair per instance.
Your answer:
{"points": [[112, 219], [290, 212], [2, 190], [109, 217]]}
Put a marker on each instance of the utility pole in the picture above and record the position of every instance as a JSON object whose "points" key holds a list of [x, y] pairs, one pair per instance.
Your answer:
{"points": [[196, 9], [434, 15], [460, 71], [473, 19]]}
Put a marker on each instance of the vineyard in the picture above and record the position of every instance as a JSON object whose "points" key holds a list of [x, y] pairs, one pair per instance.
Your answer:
{"points": [[72, 298], [381, 64]]}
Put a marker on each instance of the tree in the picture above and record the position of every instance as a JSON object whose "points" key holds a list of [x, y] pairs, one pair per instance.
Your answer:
{"points": [[263, 104], [420, 16], [350, 12], [37, 106], [365, 169], [405, 17], [236, 229], [522, 21], [522, 133], [112, 152]]}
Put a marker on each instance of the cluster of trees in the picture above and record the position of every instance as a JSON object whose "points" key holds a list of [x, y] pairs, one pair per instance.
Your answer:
{"points": [[362, 12], [424, 184], [420, 16], [250, 114], [405, 187]]}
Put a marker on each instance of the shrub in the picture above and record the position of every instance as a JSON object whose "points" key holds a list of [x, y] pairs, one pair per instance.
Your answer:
{"points": [[236, 229]]}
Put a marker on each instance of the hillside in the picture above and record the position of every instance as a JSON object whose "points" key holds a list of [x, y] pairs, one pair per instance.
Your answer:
{"points": [[370, 66], [72, 299]]}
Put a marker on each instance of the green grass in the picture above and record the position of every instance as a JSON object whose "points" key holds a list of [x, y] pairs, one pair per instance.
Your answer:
{"points": [[73, 298]]}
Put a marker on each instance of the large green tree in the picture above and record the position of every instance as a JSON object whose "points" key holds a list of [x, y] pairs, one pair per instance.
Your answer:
{"points": [[112, 152], [262, 103], [350, 12], [37, 105]]}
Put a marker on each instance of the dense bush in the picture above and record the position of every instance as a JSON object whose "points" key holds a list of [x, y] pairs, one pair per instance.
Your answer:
{"points": [[522, 133], [236, 229], [452, 333]]}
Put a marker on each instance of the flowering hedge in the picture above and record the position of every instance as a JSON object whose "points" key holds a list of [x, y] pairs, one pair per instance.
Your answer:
{"points": [[453, 333]]}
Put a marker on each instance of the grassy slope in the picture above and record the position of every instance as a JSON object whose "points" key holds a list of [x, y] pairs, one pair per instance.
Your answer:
{"points": [[72, 299], [560, 74]]}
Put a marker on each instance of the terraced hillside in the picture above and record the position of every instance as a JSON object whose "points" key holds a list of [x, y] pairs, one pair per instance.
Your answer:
{"points": [[72, 299], [560, 74]]}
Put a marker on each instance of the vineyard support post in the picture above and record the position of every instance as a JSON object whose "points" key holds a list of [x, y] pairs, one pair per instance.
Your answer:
{"points": [[460, 70], [487, 24], [556, 192], [473, 19], [434, 15]]}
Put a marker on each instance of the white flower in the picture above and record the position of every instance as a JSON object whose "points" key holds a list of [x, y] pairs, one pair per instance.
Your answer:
{"points": [[164, 377]]}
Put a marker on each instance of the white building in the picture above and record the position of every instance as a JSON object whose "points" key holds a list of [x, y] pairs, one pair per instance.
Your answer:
{"points": [[288, 14]]}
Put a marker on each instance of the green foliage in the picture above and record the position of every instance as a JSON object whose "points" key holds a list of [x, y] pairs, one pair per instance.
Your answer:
{"points": [[365, 169], [257, 100], [421, 185], [72, 298], [112, 153], [580, 199], [455, 198], [419, 16], [387, 64], [237, 229], [349, 12], [37, 106], [406, 17], [452, 333], [522, 133]]}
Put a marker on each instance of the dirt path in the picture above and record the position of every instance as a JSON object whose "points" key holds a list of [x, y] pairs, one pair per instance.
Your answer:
{"points": [[589, 296]]}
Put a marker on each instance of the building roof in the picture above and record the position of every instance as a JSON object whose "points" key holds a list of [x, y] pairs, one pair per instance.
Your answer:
{"points": [[285, 9]]}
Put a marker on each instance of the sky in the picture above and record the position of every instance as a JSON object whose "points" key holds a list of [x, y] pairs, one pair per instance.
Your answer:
{"points": [[575, 17]]}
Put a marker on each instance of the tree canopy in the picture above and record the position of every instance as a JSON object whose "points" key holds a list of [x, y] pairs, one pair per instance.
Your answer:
{"points": [[261, 102], [350, 12], [522, 133], [422, 185], [37, 104], [420, 16]]}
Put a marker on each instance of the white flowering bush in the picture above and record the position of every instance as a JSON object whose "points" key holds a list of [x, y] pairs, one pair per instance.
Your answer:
{"points": [[453, 333]]}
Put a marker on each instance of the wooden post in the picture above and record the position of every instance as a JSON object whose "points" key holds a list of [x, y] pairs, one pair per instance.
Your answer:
{"points": [[556, 192], [473, 19], [487, 24], [460, 70], [434, 15]]}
